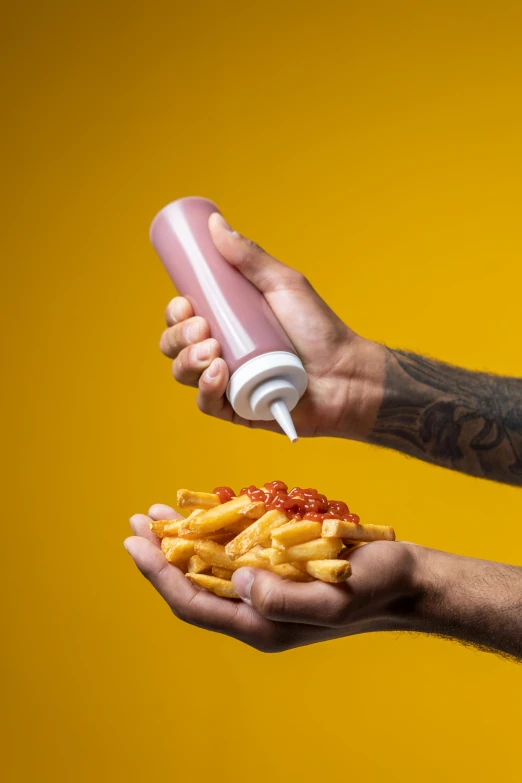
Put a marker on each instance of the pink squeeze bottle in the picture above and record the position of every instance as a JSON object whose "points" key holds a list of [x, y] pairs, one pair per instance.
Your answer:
{"points": [[267, 378]]}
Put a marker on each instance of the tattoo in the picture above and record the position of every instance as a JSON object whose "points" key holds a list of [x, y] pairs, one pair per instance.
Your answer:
{"points": [[463, 420]]}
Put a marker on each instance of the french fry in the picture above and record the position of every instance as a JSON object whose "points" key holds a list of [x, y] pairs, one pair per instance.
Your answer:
{"points": [[215, 555], [174, 527], [351, 547], [177, 550], [222, 573], [237, 527], [257, 555], [221, 536], [333, 571], [221, 587], [190, 501], [349, 531], [216, 539], [170, 527], [289, 571], [261, 560], [196, 565], [255, 533], [299, 564], [219, 517], [158, 526], [212, 553], [295, 533], [318, 549], [254, 511]]}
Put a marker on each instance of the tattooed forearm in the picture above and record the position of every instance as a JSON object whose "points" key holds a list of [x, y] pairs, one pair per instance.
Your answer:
{"points": [[463, 420]]}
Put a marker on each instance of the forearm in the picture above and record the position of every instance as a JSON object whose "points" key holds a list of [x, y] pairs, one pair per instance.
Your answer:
{"points": [[467, 421], [477, 602]]}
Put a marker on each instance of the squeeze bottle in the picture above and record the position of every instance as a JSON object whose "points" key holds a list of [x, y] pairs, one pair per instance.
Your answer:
{"points": [[267, 378]]}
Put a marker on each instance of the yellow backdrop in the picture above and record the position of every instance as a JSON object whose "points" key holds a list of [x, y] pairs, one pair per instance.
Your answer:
{"points": [[376, 146]]}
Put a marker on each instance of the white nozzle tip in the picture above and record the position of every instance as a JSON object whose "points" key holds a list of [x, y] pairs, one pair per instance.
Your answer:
{"points": [[282, 415]]}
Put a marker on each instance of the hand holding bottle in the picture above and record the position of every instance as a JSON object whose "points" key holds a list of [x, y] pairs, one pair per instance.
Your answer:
{"points": [[344, 371]]}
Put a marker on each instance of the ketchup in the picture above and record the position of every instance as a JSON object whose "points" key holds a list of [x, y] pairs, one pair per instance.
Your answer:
{"points": [[224, 494], [298, 504]]}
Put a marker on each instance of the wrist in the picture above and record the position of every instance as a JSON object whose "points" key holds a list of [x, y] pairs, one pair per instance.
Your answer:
{"points": [[418, 588], [397, 589], [433, 580]]}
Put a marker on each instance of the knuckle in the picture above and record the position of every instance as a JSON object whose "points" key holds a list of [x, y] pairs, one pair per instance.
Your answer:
{"points": [[203, 325], [215, 348], [297, 278], [252, 249], [165, 343], [199, 326], [188, 611], [270, 601], [183, 366], [158, 575], [173, 341]]}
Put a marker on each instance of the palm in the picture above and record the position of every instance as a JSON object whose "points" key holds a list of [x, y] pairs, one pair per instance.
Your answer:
{"points": [[321, 340], [326, 346], [316, 612]]}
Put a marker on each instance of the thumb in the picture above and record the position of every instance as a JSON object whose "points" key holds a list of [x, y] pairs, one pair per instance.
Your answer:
{"points": [[311, 603], [265, 272]]}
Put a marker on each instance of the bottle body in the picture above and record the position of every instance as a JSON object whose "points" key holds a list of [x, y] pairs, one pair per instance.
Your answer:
{"points": [[267, 378], [239, 317]]}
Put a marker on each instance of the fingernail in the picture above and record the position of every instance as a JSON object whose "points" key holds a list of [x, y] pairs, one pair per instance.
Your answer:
{"points": [[191, 332], [226, 226], [202, 351], [211, 372], [127, 545], [176, 311], [242, 580]]}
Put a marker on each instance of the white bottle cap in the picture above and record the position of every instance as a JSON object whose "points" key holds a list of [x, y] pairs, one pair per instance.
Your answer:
{"points": [[268, 387]]}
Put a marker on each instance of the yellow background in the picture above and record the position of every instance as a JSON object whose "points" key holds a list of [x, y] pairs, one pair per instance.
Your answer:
{"points": [[376, 146]]}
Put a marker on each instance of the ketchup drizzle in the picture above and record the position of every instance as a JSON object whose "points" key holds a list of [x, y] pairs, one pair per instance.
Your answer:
{"points": [[298, 504]]}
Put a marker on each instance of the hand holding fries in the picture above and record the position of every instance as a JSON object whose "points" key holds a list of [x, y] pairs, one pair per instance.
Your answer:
{"points": [[275, 612], [295, 535]]}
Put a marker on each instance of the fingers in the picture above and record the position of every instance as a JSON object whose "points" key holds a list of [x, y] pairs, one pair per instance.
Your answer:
{"points": [[212, 387], [193, 350], [140, 522], [265, 272], [191, 362], [184, 334], [178, 309], [140, 527], [315, 603], [193, 605], [168, 580], [160, 511]]}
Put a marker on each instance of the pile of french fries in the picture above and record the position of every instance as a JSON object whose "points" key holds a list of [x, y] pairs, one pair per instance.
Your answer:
{"points": [[216, 539]]}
